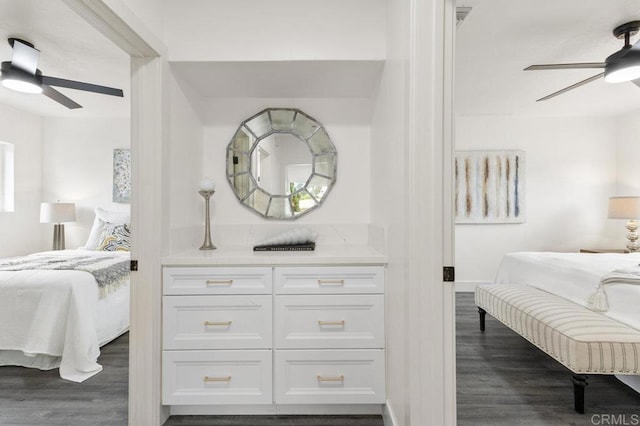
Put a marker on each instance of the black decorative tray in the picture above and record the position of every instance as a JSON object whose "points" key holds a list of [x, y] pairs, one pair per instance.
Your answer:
{"points": [[286, 247]]}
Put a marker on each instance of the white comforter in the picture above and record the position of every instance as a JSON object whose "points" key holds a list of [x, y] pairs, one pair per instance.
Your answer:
{"points": [[50, 316], [575, 276]]}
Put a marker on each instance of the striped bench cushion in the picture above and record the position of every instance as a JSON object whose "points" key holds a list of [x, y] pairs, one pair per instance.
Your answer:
{"points": [[582, 340]]}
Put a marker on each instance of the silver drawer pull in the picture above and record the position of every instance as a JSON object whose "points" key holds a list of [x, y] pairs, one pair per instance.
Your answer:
{"points": [[331, 379], [224, 323], [219, 282], [217, 379], [321, 323], [330, 282]]}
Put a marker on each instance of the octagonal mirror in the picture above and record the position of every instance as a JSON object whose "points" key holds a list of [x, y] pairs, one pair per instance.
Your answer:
{"points": [[281, 163]]}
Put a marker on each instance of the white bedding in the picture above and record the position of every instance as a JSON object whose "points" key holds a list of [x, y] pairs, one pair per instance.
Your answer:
{"points": [[55, 318], [575, 277]]}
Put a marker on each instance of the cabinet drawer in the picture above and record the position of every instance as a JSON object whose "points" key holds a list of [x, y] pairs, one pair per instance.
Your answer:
{"points": [[329, 280], [216, 377], [208, 280], [329, 377], [217, 322], [336, 321]]}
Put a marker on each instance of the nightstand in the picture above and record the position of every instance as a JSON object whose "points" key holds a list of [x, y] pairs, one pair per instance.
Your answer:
{"points": [[604, 251]]}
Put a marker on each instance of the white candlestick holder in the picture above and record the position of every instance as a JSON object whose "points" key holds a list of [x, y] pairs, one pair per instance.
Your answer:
{"points": [[207, 245]]}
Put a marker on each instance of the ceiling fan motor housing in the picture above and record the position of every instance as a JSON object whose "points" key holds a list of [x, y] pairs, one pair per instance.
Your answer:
{"points": [[17, 79], [623, 65]]}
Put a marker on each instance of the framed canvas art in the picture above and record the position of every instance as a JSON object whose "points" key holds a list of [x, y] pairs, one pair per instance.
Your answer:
{"points": [[489, 186], [121, 175]]}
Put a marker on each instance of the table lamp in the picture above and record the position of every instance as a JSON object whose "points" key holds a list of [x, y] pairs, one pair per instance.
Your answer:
{"points": [[57, 213], [627, 208]]}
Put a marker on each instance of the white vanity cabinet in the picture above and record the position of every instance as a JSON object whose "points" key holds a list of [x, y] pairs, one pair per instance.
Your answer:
{"points": [[273, 336]]}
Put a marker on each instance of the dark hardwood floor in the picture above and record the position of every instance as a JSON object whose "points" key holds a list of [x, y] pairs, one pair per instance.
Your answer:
{"points": [[34, 397], [502, 379]]}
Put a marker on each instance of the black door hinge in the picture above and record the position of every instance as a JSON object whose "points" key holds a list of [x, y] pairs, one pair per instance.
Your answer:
{"points": [[133, 266], [448, 274]]}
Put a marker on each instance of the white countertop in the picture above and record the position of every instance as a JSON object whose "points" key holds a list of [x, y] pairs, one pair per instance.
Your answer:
{"points": [[244, 255]]}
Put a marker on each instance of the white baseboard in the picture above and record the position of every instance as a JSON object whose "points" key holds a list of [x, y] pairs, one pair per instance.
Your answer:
{"points": [[469, 286], [388, 417]]}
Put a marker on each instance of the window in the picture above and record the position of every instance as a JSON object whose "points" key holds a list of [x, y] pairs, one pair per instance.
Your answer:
{"points": [[6, 177]]}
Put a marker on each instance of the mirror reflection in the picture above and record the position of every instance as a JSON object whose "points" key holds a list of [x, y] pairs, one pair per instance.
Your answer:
{"points": [[281, 163]]}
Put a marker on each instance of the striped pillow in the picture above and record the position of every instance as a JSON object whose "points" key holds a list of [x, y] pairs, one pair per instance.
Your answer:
{"points": [[115, 238]]}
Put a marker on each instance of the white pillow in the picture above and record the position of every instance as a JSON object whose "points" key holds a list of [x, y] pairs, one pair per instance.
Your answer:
{"points": [[102, 218]]}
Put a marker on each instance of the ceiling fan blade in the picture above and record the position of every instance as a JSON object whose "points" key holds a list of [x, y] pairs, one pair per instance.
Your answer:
{"points": [[59, 97], [573, 86], [24, 57], [78, 85], [637, 82], [579, 65]]}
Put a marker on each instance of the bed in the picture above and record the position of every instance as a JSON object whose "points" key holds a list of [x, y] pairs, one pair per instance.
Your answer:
{"points": [[576, 277], [57, 308]]}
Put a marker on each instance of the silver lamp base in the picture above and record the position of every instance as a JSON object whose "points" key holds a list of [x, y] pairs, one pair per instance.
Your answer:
{"points": [[58, 236]]}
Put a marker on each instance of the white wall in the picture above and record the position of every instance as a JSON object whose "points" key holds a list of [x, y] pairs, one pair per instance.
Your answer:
{"points": [[260, 30], [77, 167], [20, 230], [387, 200], [627, 138], [570, 173], [185, 165]]}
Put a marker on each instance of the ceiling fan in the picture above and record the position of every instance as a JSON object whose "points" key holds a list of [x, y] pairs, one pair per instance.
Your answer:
{"points": [[22, 74], [621, 66]]}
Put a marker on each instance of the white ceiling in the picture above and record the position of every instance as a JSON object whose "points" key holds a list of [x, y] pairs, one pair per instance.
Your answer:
{"points": [[499, 38], [69, 48], [495, 42]]}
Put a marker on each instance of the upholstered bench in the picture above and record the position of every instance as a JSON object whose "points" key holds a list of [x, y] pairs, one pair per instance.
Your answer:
{"points": [[584, 341]]}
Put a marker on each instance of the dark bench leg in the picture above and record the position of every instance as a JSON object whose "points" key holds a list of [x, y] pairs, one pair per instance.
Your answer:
{"points": [[482, 313], [579, 383]]}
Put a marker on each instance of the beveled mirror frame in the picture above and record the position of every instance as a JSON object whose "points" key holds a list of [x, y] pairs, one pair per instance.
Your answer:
{"points": [[245, 141]]}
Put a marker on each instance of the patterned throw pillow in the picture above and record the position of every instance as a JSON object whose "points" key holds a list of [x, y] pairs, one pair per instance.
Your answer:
{"points": [[115, 238]]}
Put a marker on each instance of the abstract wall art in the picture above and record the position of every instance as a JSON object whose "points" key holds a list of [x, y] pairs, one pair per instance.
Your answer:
{"points": [[489, 186], [121, 175]]}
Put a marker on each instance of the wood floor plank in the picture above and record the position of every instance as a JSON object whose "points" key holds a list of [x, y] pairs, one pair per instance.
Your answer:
{"points": [[502, 379], [33, 397]]}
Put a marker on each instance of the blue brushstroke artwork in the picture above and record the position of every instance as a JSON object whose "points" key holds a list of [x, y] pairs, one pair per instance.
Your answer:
{"points": [[489, 186]]}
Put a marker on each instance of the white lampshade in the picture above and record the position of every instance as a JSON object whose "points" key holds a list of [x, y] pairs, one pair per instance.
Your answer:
{"points": [[624, 207], [57, 212]]}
